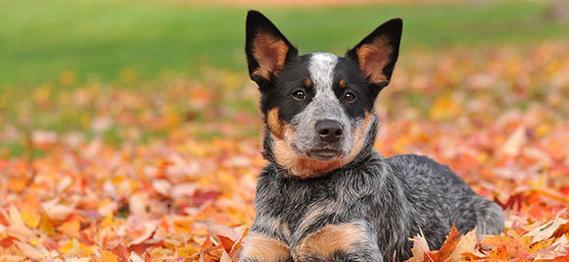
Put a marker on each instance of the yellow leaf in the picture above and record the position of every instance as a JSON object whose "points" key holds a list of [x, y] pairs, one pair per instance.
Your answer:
{"points": [[71, 248], [107, 220], [541, 245], [35, 241], [445, 108], [187, 251], [17, 227], [108, 256], [47, 226], [31, 219]]}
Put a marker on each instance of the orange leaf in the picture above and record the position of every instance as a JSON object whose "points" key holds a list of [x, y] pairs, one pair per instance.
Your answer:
{"points": [[71, 227], [448, 246], [108, 256], [500, 253]]}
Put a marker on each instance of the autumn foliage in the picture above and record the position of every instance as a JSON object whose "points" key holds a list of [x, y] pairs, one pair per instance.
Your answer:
{"points": [[167, 170]]}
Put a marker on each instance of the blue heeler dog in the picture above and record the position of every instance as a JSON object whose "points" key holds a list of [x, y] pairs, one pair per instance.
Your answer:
{"points": [[326, 195]]}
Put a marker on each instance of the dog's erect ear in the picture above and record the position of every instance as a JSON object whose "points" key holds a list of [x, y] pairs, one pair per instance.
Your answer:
{"points": [[266, 47], [377, 53]]}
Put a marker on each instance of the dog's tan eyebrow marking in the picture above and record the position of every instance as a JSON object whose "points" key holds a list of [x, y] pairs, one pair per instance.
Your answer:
{"points": [[308, 83], [342, 83]]}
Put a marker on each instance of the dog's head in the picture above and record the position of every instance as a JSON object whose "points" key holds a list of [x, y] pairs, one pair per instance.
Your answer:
{"points": [[319, 108]]}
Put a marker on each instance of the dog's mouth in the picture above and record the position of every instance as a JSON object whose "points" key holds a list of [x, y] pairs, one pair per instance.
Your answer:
{"points": [[324, 154]]}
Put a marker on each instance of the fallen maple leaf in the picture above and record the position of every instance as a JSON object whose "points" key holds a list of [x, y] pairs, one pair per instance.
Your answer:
{"points": [[31, 251], [546, 230], [467, 244], [57, 211], [108, 256], [447, 248], [419, 249]]}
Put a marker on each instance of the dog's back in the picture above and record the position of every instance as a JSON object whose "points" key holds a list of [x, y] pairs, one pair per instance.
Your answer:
{"points": [[442, 199]]}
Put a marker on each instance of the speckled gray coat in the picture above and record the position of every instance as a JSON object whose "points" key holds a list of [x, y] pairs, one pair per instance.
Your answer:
{"points": [[396, 198]]}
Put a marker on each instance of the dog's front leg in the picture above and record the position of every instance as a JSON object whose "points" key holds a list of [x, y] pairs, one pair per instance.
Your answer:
{"points": [[261, 248], [265, 242], [339, 243]]}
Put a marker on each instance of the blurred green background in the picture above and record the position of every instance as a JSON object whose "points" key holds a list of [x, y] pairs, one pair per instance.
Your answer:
{"points": [[126, 70], [105, 40]]}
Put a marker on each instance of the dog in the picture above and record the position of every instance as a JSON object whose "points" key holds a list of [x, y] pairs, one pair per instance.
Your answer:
{"points": [[325, 194]]}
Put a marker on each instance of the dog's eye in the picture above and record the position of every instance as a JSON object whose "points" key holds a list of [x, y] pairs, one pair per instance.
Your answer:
{"points": [[349, 97], [299, 95]]}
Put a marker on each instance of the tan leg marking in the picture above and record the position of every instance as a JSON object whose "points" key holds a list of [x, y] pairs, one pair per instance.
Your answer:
{"points": [[262, 248], [331, 239]]}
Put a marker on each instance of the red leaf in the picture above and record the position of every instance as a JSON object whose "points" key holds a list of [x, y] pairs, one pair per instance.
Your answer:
{"points": [[6, 242], [226, 243], [201, 197], [122, 252]]}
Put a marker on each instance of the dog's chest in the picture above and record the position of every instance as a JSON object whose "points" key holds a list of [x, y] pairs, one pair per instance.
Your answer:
{"points": [[301, 203]]}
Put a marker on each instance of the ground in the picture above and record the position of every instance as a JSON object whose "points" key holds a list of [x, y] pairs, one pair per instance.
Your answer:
{"points": [[138, 164]]}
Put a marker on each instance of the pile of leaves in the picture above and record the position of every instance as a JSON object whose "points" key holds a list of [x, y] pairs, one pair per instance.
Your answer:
{"points": [[167, 170]]}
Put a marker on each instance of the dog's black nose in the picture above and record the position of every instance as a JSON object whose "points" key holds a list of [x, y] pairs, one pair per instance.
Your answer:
{"points": [[329, 130]]}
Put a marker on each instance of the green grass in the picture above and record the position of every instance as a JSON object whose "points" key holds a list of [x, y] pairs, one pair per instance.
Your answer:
{"points": [[99, 39]]}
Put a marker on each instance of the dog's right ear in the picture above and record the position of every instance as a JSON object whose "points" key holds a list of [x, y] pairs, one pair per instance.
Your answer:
{"points": [[266, 47], [377, 53]]}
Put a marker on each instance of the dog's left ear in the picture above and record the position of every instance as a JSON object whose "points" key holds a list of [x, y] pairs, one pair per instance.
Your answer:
{"points": [[377, 53], [266, 47]]}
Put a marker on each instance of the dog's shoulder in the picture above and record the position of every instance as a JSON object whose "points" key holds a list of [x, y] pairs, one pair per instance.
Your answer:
{"points": [[412, 166], [421, 173]]}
